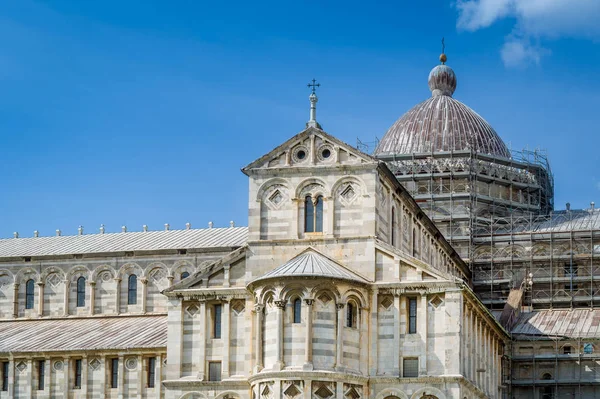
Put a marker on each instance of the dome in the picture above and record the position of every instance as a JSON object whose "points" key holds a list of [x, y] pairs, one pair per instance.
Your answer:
{"points": [[441, 123]]}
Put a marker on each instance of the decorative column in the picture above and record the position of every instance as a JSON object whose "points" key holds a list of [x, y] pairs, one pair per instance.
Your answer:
{"points": [[203, 338], [11, 378], [422, 322], [226, 269], [280, 308], [340, 336], [158, 377], [396, 364], [140, 375], [308, 336], [295, 218], [170, 279], [29, 386], [373, 333], [47, 374], [16, 300], [175, 334], [118, 296], [66, 377], [144, 282], [121, 377], [258, 310], [40, 285], [92, 285], [66, 297], [84, 377], [225, 333]]}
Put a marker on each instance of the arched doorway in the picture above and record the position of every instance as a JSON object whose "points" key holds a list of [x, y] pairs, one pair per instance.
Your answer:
{"points": [[547, 392]]}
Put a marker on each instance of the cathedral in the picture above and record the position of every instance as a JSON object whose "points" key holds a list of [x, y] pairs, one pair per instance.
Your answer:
{"points": [[433, 267]]}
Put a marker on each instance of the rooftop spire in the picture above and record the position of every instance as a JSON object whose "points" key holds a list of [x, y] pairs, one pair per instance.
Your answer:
{"points": [[443, 57], [313, 105]]}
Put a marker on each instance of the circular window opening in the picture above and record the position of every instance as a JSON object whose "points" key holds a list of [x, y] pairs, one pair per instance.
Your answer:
{"points": [[326, 153], [301, 154]]}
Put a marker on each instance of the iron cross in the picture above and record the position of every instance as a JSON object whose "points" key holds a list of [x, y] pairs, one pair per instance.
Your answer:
{"points": [[314, 85]]}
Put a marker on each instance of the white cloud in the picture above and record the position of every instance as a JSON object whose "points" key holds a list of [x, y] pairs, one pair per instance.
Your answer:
{"points": [[539, 20]]}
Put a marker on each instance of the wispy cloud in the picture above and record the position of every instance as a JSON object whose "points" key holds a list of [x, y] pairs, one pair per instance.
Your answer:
{"points": [[536, 22]]}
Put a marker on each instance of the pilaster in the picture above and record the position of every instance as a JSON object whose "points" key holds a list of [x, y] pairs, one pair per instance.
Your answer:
{"points": [[92, 287], [308, 365], [280, 305], [144, 282], [258, 311], [202, 341], [226, 338], [40, 298], [340, 336]]}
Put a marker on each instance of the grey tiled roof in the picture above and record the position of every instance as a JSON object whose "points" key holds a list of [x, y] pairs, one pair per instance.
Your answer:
{"points": [[578, 323], [92, 333], [311, 263], [119, 242]]}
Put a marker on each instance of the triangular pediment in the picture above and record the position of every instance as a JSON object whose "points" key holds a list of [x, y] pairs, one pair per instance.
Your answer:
{"points": [[312, 263], [310, 148]]}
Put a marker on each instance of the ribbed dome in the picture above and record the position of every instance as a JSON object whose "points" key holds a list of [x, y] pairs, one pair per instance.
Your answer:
{"points": [[441, 123]]}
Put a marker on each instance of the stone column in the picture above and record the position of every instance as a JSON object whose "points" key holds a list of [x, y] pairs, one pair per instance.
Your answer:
{"points": [[203, 337], [340, 336], [118, 296], [363, 322], [373, 340], [11, 378], [66, 297], [16, 300], [226, 338], [175, 335], [66, 377], [158, 377], [296, 216], [258, 366], [170, 279], [47, 379], [422, 323], [473, 359], [121, 377], [84, 377], [92, 285], [280, 335], [226, 269], [40, 298], [29, 386], [144, 282], [140, 375], [308, 336], [396, 365]]}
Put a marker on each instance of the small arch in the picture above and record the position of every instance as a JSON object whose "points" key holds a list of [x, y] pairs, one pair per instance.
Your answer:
{"points": [[192, 395], [25, 274], [391, 393], [270, 183], [324, 287], [47, 271], [130, 268], [356, 295], [294, 289], [227, 395], [360, 185], [100, 269], [428, 391], [266, 293], [77, 271], [312, 186]]}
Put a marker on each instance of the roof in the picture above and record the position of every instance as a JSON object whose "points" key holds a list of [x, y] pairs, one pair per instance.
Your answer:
{"points": [[311, 263], [578, 323], [441, 123], [119, 242], [92, 333]]}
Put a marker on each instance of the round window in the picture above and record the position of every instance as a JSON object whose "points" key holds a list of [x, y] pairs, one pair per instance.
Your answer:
{"points": [[301, 154], [326, 153]]}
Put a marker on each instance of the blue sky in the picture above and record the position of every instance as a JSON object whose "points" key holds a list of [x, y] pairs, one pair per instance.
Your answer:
{"points": [[143, 112]]}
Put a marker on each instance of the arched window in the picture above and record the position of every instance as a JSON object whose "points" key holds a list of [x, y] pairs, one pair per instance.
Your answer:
{"points": [[547, 392], [313, 214], [184, 275], [351, 315], [81, 292], [132, 290], [29, 288], [297, 310]]}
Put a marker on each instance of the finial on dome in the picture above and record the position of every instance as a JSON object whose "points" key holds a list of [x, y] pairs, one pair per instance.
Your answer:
{"points": [[442, 80], [313, 105]]}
